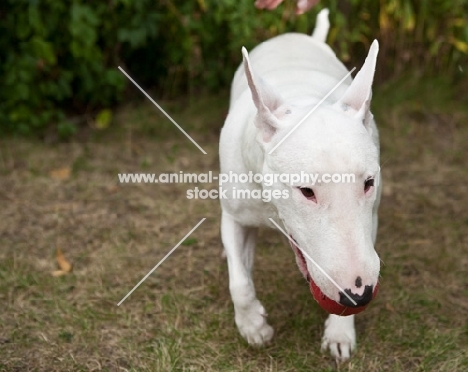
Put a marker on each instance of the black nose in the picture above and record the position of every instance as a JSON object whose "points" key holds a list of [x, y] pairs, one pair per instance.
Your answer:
{"points": [[360, 300]]}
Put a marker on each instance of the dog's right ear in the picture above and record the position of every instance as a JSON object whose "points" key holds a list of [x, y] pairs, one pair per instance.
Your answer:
{"points": [[265, 98]]}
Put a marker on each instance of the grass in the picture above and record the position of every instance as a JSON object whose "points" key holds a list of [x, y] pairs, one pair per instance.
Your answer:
{"points": [[181, 317]]}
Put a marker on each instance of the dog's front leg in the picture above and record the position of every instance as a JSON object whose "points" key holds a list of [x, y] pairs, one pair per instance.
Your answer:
{"points": [[250, 315], [339, 336]]}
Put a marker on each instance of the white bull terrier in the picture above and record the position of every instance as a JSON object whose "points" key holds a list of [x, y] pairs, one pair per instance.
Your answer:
{"points": [[332, 224]]}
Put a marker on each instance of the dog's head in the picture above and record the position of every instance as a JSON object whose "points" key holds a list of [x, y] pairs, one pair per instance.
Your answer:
{"points": [[330, 224]]}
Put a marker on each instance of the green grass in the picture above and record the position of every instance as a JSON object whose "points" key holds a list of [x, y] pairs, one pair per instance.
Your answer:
{"points": [[181, 317]]}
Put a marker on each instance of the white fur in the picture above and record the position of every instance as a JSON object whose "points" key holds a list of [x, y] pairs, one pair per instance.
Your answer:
{"points": [[278, 84]]}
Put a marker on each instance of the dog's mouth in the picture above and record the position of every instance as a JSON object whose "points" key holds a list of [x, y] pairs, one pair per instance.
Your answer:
{"points": [[326, 303]]}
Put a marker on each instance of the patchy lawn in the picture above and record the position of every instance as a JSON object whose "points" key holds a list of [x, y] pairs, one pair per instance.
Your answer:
{"points": [[181, 319]]}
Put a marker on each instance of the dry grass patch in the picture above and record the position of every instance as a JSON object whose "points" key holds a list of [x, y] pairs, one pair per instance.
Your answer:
{"points": [[181, 317]]}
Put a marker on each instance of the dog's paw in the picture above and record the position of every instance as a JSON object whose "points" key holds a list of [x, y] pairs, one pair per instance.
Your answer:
{"points": [[252, 324], [339, 338]]}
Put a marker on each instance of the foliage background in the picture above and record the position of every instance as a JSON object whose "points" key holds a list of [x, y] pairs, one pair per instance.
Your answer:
{"points": [[58, 59]]}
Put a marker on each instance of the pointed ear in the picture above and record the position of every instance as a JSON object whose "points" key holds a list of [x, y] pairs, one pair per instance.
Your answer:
{"points": [[266, 100], [357, 97]]}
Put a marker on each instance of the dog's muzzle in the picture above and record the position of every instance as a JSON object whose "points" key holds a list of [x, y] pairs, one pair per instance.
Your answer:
{"points": [[345, 306]]}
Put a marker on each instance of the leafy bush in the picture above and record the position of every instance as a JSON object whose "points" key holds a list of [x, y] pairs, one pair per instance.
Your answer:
{"points": [[58, 59], [57, 55]]}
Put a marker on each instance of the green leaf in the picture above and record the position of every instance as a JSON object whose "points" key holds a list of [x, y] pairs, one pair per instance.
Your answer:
{"points": [[103, 119], [43, 50]]}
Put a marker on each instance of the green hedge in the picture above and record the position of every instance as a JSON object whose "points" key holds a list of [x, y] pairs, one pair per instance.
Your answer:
{"points": [[58, 59]]}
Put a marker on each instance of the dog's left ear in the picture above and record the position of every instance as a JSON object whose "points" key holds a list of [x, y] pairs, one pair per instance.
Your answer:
{"points": [[265, 98], [357, 98]]}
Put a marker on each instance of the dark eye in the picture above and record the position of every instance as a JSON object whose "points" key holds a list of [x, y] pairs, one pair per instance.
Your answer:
{"points": [[368, 184], [308, 192]]}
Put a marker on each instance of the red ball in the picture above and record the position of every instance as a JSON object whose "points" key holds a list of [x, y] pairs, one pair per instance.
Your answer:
{"points": [[334, 307]]}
